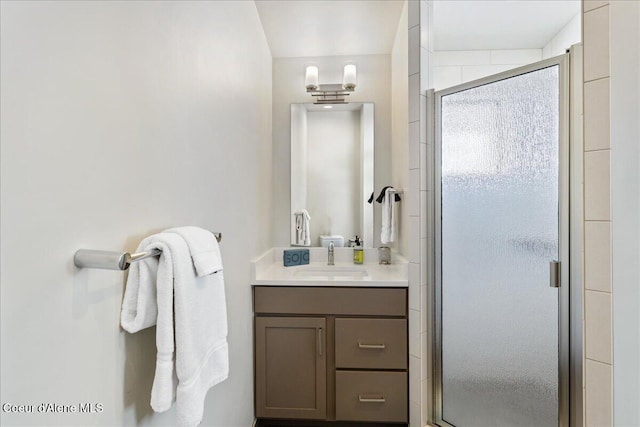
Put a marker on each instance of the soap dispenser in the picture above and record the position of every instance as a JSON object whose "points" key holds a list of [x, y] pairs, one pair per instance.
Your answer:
{"points": [[358, 251]]}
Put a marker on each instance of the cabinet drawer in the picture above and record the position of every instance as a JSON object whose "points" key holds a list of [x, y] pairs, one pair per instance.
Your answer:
{"points": [[371, 343], [330, 301], [371, 396]]}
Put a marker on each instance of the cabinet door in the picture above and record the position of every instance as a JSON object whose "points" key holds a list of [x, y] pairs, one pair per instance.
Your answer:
{"points": [[290, 367]]}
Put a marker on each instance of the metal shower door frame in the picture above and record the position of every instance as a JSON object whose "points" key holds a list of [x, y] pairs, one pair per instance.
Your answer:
{"points": [[562, 62]]}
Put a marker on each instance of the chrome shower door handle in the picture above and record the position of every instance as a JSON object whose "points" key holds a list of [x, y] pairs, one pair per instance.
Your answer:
{"points": [[554, 274]]}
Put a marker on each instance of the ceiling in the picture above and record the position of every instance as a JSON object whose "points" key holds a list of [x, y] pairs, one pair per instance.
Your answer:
{"points": [[297, 28], [300, 28]]}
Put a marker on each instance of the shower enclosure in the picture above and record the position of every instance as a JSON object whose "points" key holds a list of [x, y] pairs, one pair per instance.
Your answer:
{"points": [[501, 327]]}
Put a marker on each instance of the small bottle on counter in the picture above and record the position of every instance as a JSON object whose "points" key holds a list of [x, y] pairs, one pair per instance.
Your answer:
{"points": [[358, 251], [384, 255]]}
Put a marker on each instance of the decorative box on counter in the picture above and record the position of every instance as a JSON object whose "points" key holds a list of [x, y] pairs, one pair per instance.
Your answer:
{"points": [[294, 257]]}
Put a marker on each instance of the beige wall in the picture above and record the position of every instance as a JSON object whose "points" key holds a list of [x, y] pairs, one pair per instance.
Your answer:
{"points": [[120, 119], [400, 157]]}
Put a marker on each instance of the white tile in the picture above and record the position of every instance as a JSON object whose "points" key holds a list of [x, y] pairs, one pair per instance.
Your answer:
{"points": [[414, 333], [446, 76], [568, 36], [414, 98], [414, 239], [423, 215], [414, 50], [424, 69], [430, 15], [412, 196], [423, 167], [414, 415], [423, 371], [597, 255], [462, 57], [426, 397], [596, 186], [596, 115], [424, 271], [413, 13], [474, 72], [596, 44], [588, 5], [414, 133], [516, 56], [424, 24], [598, 394], [414, 145], [598, 326], [426, 355], [414, 286], [424, 309], [415, 382]]}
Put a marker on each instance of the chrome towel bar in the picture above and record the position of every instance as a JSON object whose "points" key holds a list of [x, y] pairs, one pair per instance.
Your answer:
{"points": [[109, 260]]}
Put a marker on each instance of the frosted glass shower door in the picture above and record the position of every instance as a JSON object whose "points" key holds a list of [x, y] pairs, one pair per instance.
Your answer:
{"points": [[499, 225]]}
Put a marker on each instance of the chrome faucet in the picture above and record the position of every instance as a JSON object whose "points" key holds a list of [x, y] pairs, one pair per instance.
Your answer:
{"points": [[330, 256]]}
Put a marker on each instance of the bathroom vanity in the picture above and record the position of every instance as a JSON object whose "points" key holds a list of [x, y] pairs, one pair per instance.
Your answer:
{"points": [[330, 342]]}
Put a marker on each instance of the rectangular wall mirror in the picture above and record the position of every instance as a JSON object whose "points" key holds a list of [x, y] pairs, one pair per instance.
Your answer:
{"points": [[332, 172]]}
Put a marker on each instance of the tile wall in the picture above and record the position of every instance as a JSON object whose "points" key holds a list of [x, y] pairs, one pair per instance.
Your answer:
{"points": [[451, 68], [420, 191], [598, 364]]}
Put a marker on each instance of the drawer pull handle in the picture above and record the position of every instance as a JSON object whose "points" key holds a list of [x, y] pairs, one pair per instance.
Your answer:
{"points": [[371, 399], [375, 346], [320, 341]]}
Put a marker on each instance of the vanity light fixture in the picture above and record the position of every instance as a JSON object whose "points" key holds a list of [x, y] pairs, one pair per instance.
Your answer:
{"points": [[330, 93]]}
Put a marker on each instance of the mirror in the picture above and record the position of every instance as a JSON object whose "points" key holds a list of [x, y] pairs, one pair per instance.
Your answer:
{"points": [[331, 172]]}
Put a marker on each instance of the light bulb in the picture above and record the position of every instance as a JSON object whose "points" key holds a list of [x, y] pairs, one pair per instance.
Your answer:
{"points": [[311, 78], [349, 79]]}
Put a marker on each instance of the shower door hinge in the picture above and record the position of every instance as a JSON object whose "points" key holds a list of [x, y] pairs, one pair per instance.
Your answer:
{"points": [[554, 276]]}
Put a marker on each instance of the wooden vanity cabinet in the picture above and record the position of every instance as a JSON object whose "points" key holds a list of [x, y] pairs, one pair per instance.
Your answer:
{"points": [[290, 367], [325, 355]]}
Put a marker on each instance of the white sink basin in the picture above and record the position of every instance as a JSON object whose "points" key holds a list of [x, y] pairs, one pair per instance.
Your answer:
{"points": [[332, 272]]}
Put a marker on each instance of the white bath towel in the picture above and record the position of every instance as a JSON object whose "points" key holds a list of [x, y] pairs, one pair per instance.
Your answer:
{"points": [[199, 359], [204, 249], [388, 233]]}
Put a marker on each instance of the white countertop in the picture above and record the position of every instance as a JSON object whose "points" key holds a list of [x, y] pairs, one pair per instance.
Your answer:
{"points": [[268, 270]]}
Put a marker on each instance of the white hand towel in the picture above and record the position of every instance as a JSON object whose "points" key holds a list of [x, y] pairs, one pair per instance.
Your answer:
{"points": [[200, 357], [388, 232], [306, 228], [303, 227], [204, 249]]}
